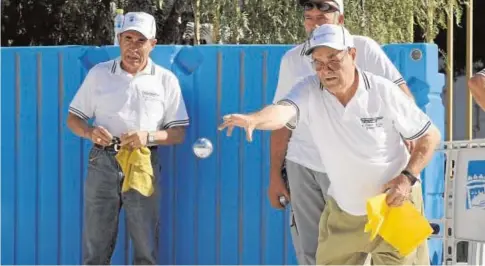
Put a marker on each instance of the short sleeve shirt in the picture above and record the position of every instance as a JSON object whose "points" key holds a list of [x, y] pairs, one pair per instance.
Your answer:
{"points": [[360, 143], [295, 66], [148, 101]]}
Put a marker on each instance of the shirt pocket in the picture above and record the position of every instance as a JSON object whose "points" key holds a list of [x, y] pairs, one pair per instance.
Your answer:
{"points": [[152, 105]]}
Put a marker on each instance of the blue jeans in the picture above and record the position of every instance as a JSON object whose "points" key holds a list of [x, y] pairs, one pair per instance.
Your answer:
{"points": [[102, 203]]}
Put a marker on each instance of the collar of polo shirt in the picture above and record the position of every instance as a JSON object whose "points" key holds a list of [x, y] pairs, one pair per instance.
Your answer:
{"points": [[148, 70]]}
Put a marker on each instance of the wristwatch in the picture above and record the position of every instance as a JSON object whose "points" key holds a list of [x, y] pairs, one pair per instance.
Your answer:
{"points": [[410, 176], [150, 139]]}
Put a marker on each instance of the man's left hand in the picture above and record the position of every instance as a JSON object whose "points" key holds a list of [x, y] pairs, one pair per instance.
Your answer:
{"points": [[398, 190], [134, 140]]}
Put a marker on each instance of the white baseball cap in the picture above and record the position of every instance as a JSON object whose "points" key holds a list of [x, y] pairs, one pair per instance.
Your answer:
{"points": [[142, 22], [330, 35]]}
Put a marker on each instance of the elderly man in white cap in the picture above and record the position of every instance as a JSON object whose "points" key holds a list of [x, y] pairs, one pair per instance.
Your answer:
{"points": [[135, 103], [307, 178], [358, 122]]}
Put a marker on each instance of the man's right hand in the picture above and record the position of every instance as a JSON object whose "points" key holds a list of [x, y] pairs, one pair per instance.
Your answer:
{"points": [[277, 188], [100, 135], [238, 120]]}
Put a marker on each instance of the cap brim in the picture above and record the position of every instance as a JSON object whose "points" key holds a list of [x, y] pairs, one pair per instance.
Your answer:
{"points": [[331, 45], [138, 30]]}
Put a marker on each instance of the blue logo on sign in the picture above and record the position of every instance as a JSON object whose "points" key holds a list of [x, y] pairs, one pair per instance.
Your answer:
{"points": [[475, 185]]}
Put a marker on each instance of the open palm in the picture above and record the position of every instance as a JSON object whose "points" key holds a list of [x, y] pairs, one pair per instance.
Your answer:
{"points": [[238, 120]]}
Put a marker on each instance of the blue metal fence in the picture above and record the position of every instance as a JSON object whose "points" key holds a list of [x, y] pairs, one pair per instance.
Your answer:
{"points": [[214, 210]]}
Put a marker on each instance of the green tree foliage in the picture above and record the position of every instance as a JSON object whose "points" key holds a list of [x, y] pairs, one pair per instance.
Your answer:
{"points": [[279, 22], [90, 22]]}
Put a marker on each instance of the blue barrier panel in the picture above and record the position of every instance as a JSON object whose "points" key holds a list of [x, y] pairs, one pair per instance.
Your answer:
{"points": [[214, 210], [418, 64], [9, 156]]}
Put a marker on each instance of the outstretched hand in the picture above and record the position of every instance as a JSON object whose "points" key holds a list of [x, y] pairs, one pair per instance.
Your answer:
{"points": [[238, 120]]}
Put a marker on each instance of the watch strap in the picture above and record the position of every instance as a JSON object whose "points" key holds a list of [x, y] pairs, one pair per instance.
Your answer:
{"points": [[413, 179]]}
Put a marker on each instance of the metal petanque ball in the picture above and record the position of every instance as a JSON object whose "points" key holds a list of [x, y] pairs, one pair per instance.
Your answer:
{"points": [[283, 201], [202, 148]]}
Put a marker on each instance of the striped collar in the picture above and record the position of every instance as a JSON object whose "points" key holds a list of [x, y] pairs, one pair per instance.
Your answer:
{"points": [[148, 70], [306, 44], [304, 48]]}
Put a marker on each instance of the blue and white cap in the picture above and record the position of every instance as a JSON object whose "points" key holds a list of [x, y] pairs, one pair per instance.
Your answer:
{"points": [[142, 22], [330, 35]]}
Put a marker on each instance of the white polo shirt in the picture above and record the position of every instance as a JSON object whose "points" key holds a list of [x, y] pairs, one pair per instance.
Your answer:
{"points": [[121, 102], [360, 143], [295, 66]]}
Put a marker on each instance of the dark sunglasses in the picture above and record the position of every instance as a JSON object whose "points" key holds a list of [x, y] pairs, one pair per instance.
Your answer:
{"points": [[324, 7]]}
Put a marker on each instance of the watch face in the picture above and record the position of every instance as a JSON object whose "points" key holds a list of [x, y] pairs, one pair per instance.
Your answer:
{"points": [[150, 138]]}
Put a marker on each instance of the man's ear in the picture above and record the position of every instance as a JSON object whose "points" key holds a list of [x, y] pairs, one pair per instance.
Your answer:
{"points": [[353, 53], [153, 42], [341, 19]]}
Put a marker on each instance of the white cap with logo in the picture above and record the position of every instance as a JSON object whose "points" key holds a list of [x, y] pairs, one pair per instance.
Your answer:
{"points": [[330, 35], [142, 22]]}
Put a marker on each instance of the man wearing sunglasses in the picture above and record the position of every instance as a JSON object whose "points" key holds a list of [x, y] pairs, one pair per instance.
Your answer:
{"points": [[294, 150], [358, 122]]}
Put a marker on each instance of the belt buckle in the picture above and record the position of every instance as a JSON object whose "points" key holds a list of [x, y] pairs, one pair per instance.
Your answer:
{"points": [[116, 144]]}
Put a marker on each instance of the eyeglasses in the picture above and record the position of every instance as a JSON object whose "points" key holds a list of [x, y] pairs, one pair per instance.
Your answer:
{"points": [[333, 65], [324, 7]]}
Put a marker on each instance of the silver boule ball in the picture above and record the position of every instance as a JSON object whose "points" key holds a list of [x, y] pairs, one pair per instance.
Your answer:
{"points": [[202, 148], [283, 201]]}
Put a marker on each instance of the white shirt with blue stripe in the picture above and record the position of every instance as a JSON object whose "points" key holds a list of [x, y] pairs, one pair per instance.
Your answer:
{"points": [[361, 143], [121, 102]]}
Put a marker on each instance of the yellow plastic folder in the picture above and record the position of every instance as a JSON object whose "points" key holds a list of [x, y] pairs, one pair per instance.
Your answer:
{"points": [[403, 227], [138, 170]]}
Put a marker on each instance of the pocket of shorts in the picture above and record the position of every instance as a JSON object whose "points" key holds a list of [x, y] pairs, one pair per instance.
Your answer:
{"points": [[415, 198], [292, 219], [93, 155], [156, 166]]}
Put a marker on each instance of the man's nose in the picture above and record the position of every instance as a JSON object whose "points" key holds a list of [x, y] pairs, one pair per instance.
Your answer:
{"points": [[325, 70]]}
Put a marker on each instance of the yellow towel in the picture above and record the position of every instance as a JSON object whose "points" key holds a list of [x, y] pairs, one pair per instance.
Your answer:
{"points": [[404, 227], [137, 167]]}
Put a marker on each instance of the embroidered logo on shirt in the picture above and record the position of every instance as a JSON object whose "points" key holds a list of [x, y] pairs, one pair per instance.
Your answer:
{"points": [[150, 95], [371, 122]]}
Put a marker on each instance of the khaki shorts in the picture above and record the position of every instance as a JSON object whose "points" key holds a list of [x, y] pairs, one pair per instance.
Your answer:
{"points": [[342, 240]]}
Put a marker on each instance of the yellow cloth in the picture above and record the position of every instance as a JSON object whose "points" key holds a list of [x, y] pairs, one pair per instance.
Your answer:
{"points": [[404, 227], [137, 167]]}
